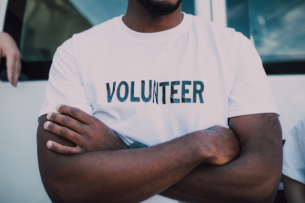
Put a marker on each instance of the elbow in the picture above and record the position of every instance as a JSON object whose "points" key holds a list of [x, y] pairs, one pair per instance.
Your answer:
{"points": [[57, 190], [58, 184], [264, 191]]}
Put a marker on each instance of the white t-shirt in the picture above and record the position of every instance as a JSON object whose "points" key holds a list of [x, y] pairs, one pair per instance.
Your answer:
{"points": [[154, 87], [294, 153]]}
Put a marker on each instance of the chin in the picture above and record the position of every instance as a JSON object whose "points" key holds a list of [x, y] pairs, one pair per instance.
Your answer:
{"points": [[160, 7], [169, 1]]}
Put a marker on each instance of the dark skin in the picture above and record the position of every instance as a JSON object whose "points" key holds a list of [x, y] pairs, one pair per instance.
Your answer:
{"points": [[138, 19], [97, 169], [198, 167], [253, 177], [181, 169], [294, 190]]}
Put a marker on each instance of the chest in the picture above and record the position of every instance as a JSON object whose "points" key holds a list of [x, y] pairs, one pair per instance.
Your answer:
{"points": [[159, 86]]}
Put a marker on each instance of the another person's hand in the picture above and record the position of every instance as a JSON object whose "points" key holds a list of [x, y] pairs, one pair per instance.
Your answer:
{"points": [[87, 132], [220, 144], [9, 49]]}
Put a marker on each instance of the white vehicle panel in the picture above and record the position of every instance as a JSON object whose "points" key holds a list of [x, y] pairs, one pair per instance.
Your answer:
{"points": [[19, 178]]}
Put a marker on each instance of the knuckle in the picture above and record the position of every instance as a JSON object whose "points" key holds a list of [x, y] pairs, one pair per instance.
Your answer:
{"points": [[74, 111], [74, 136], [64, 132], [92, 127], [65, 120], [94, 121]]}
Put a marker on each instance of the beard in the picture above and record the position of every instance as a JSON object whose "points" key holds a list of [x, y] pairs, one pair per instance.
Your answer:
{"points": [[159, 8]]}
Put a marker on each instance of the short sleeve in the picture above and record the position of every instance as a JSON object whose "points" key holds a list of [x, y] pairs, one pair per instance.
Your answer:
{"points": [[65, 83], [294, 153], [251, 92]]}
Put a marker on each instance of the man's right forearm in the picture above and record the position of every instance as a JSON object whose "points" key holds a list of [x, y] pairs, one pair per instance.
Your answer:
{"points": [[115, 176]]}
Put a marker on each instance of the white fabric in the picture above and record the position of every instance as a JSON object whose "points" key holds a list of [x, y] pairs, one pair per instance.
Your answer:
{"points": [[294, 153], [224, 65]]}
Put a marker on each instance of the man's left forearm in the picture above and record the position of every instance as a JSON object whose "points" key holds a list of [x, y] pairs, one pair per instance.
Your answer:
{"points": [[253, 177], [238, 181]]}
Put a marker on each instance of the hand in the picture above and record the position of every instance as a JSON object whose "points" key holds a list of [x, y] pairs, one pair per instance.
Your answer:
{"points": [[87, 132], [9, 49], [221, 145]]}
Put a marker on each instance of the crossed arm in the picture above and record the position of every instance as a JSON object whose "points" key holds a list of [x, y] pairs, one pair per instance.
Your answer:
{"points": [[180, 169]]}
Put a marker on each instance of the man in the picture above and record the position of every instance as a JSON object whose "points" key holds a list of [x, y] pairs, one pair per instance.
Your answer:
{"points": [[9, 49], [162, 86]]}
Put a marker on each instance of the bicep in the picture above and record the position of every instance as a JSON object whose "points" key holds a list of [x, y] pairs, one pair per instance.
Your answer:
{"points": [[260, 139], [294, 190], [258, 132], [65, 84]]}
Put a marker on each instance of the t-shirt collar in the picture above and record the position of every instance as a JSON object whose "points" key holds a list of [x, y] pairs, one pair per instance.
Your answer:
{"points": [[155, 37]]}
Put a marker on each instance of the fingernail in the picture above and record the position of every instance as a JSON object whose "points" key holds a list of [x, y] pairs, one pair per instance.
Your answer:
{"points": [[46, 125], [49, 144], [49, 115], [58, 106]]}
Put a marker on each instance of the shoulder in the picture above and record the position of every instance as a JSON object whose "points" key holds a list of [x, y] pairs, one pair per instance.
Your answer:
{"points": [[219, 33], [225, 43]]}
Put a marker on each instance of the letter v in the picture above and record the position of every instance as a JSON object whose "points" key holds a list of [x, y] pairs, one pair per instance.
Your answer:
{"points": [[109, 96]]}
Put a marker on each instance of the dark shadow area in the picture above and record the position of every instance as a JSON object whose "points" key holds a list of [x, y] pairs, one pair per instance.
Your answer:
{"points": [[280, 197]]}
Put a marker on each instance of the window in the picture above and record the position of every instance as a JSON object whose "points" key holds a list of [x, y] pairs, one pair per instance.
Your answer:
{"points": [[40, 26], [276, 29]]}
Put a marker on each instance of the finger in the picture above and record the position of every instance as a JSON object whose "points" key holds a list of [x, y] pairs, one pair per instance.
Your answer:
{"points": [[76, 113], [10, 64], [67, 122], [63, 132], [16, 72], [54, 146]]}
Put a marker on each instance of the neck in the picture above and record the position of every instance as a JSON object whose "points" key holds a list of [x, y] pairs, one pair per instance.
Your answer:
{"points": [[139, 19]]}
